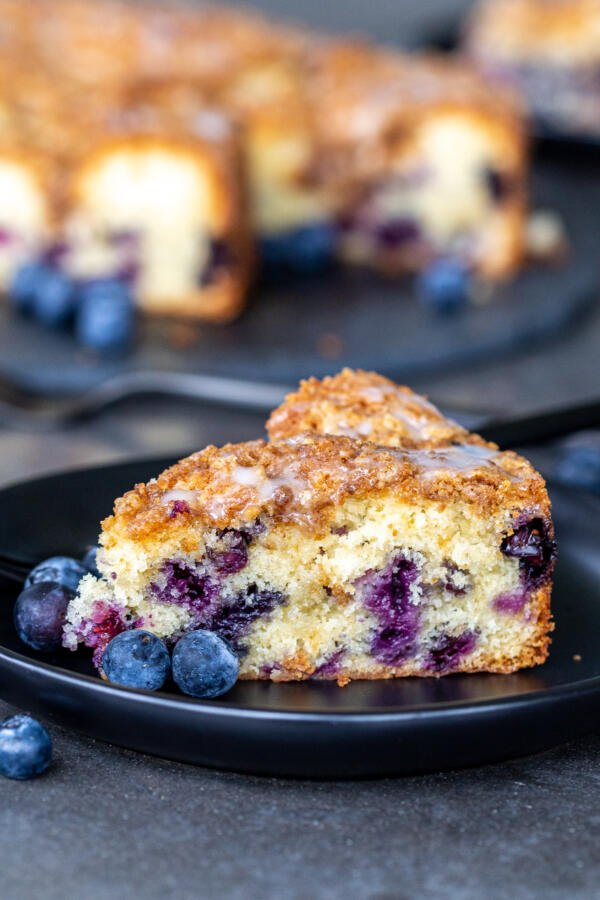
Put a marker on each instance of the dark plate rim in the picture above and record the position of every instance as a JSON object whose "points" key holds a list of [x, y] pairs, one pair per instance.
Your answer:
{"points": [[583, 688]]}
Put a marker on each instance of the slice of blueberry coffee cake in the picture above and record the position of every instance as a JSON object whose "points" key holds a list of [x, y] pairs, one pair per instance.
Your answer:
{"points": [[326, 557], [432, 162], [167, 210]]}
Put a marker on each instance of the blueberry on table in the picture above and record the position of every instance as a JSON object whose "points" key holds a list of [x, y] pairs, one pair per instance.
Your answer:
{"points": [[136, 659], [25, 748], [105, 315], [204, 665], [88, 561], [444, 285], [60, 570], [39, 615]]}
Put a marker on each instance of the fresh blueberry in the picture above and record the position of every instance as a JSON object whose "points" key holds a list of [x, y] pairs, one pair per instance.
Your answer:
{"points": [[204, 665], [60, 570], [137, 659], [105, 314], [580, 467], [306, 249], [24, 285], [444, 285], [88, 561], [25, 748], [39, 615], [53, 299]]}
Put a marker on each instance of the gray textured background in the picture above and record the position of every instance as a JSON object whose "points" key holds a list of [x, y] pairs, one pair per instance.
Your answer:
{"points": [[106, 823]]}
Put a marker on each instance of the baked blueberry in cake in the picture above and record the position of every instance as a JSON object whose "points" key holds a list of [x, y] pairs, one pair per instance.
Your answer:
{"points": [[549, 52], [331, 557]]}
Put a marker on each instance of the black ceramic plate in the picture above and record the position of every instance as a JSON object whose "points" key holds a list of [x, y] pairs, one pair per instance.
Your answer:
{"points": [[311, 729], [342, 318]]}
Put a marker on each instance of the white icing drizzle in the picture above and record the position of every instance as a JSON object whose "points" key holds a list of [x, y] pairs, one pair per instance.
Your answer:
{"points": [[465, 458], [179, 494]]}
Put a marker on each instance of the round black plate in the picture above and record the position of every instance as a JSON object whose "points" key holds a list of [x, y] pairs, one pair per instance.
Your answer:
{"points": [[347, 318], [311, 729]]}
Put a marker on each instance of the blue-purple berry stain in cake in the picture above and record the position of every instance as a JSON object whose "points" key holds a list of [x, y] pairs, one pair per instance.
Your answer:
{"points": [[532, 543], [390, 594], [448, 650]]}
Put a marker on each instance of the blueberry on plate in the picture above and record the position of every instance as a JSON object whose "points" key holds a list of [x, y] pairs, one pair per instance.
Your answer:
{"points": [[204, 665], [136, 659], [53, 299], [444, 285], [25, 747], [104, 318], [88, 561], [24, 284], [58, 569], [306, 249], [39, 615]]}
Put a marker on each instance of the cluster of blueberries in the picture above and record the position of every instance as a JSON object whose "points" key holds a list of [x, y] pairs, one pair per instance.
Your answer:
{"points": [[202, 663], [100, 311]]}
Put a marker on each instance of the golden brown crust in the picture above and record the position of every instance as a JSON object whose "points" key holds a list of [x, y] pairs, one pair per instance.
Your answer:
{"points": [[365, 405], [304, 480]]}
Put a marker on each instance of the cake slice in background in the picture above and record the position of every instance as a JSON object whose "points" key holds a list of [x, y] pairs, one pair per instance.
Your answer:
{"points": [[431, 161], [145, 191], [548, 51], [325, 556], [168, 210]]}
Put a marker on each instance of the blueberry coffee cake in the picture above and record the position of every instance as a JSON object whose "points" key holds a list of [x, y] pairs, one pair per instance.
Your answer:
{"points": [[161, 150], [330, 557], [549, 50]]}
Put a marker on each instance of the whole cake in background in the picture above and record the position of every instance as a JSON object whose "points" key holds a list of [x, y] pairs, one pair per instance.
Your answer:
{"points": [[549, 50], [323, 554], [169, 148]]}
